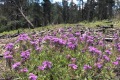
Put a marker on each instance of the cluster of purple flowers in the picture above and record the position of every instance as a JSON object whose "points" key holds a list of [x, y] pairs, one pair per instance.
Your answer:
{"points": [[73, 66], [108, 52], [98, 65], [106, 58], [23, 37], [58, 41], [94, 50], [8, 55], [34, 43], [9, 46], [25, 55], [32, 76], [63, 38], [117, 46], [24, 70], [87, 67], [45, 65], [90, 39], [73, 62], [16, 65], [117, 61], [72, 43]]}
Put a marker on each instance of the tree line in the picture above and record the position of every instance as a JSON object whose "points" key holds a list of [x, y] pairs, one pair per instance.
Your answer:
{"points": [[16, 14]]}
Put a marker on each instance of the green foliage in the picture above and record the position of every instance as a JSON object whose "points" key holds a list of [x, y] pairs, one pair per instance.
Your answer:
{"points": [[57, 54]]}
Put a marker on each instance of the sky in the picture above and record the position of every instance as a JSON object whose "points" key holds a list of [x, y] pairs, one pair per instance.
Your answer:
{"points": [[75, 1]]}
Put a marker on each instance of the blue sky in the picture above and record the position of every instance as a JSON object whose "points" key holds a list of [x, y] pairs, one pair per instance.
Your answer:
{"points": [[75, 1]]}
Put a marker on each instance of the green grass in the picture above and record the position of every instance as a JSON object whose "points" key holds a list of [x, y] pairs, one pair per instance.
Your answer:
{"points": [[93, 24]]}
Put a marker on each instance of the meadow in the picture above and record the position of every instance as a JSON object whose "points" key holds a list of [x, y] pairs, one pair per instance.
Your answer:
{"points": [[63, 53]]}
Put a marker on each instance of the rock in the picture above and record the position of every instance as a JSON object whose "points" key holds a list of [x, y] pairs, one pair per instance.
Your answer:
{"points": [[109, 39]]}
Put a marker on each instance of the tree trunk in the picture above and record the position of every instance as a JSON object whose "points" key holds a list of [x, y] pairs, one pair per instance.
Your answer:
{"points": [[21, 11]]}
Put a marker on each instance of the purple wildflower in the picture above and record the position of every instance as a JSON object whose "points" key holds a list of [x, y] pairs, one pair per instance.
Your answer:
{"points": [[16, 65], [9, 46], [77, 34], [25, 54], [106, 57], [108, 52], [94, 50], [58, 41], [90, 39], [32, 76], [84, 36], [118, 58], [72, 39], [34, 43], [116, 63], [71, 45], [101, 43], [8, 55], [38, 48], [87, 67], [24, 70], [73, 66], [41, 68], [70, 35], [98, 65], [23, 37], [47, 64]]}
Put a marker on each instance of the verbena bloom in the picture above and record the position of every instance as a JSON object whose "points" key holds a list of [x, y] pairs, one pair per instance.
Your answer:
{"points": [[16, 65], [94, 50], [34, 43], [106, 57], [58, 41], [24, 70], [38, 48], [25, 54], [84, 36], [23, 37], [8, 55], [9, 46], [98, 65], [73, 66], [41, 68], [101, 43], [71, 45], [116, 63], [47, 38], [117, 46], [82, 39], [70, 35], [32, 76], [98, 52], [77, 34], [118, 58], [47, 64], [72, 39], [87, 67], [108, 52], [90, 39]]}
